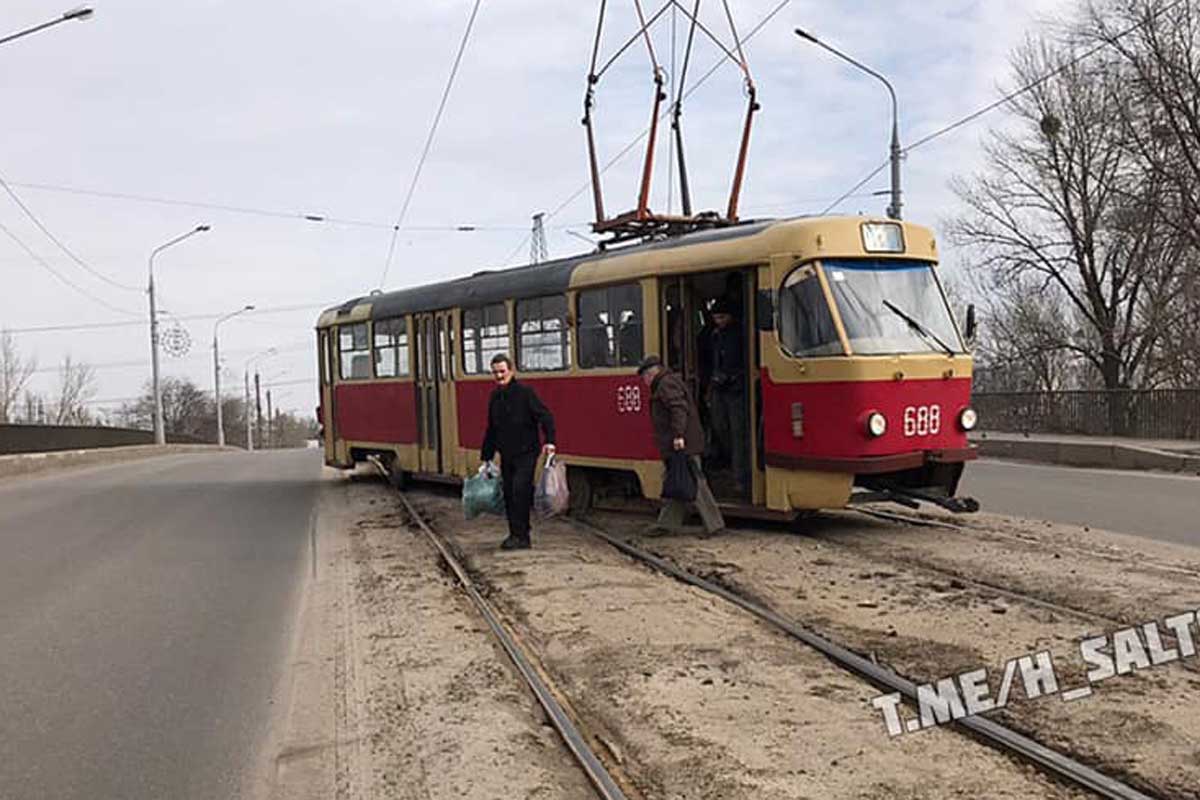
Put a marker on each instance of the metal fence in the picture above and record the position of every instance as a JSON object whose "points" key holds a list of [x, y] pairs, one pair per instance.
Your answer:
{"points": [[1149, 414]]}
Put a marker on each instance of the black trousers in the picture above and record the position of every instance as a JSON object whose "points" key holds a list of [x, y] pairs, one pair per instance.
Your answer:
{"points": [[516, 479]]}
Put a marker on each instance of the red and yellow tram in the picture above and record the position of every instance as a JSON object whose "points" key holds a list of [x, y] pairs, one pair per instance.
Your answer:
{"points": [[859, 379]]}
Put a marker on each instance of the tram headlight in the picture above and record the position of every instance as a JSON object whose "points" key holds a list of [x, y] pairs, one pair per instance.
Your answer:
{"points": [[967, 418], [876, 424]]}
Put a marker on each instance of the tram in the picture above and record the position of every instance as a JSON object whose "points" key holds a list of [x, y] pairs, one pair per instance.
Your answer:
{"points": [[858, 377]]}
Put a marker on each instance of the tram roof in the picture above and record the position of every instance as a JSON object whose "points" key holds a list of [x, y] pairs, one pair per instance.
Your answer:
{"points": [[555, 277], [532, 280]]}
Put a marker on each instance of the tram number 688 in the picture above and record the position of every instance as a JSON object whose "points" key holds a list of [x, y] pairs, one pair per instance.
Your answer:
{"points": [[629, 399], [922, 420]]}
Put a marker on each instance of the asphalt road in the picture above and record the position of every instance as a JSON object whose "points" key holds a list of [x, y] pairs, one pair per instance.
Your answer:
{"points": [[145, 615], [1155, 505]]}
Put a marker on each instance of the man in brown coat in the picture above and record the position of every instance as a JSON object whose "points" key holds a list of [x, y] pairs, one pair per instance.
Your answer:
{"points": [[677, 427]]}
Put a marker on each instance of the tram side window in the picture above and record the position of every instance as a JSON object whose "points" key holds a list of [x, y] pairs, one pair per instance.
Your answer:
{"points": [[391, 348], [484, 334], [610, 326], [355, 352], [543, 341], [805, 325]]}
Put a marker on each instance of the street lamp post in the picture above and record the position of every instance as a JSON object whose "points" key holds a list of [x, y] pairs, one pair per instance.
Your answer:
{"points": [[894, 209], [80, 14], [249, 361], [160, 436], [217, 372]]}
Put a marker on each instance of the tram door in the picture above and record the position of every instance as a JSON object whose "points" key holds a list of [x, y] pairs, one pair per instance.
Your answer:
{"points": [[447, 404], [686, 304], [428, 417], [328, 358], [681, 318]]}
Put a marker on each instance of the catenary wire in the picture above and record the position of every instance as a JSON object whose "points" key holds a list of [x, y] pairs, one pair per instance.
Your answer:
{"points": [[636, 141], [63, 278], [1039, 81], [437, 118], [58, 242]]}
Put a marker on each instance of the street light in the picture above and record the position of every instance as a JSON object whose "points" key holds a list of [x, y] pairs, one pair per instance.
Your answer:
{"points": [[217, 372], [160, 436], [264, 354], [80, 14], [894, 209]]}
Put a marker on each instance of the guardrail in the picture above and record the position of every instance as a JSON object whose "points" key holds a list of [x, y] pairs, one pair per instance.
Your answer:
{"points": [[1142, 414], [52, 438]]}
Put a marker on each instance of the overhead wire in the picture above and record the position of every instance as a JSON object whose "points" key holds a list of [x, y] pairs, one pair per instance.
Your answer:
{"points": [[1010, 96], [637, 140], [62, 278], [61, 246], [437, 118], [259, 212], [86, 326]]}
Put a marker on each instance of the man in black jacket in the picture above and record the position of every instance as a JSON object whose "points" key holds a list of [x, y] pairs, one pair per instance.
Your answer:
{"points": [[514, 415]]}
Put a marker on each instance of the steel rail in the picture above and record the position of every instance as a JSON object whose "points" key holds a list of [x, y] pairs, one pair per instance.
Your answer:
{"points": [[1052, 761], [584, 755]]}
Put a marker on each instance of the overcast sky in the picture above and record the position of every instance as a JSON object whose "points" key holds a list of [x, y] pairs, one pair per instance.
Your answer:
{"points": [[322, 108]]}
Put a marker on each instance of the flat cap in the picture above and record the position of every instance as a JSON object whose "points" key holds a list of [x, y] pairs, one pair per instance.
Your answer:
{"points": [[649, 362]]}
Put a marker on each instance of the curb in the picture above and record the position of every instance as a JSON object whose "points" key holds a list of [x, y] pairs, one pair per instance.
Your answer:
{"points": [[1087, 454], [23, 464]]}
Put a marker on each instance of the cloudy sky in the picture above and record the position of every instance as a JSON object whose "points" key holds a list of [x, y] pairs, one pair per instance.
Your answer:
{"points": [[127, 130]]}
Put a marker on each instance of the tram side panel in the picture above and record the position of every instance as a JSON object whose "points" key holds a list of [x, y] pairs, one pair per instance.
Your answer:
{"points": [[378, 416], [601, 421]]}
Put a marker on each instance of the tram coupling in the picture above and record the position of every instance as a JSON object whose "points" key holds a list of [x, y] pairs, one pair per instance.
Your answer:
{"points": [[880, 492]]}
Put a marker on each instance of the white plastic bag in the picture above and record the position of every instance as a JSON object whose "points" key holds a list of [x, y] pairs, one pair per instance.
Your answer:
{"points": [[551, 496]]}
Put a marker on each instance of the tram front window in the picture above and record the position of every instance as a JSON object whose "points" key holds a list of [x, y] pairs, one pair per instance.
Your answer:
{"points": [[874, 299], [805, 325]]}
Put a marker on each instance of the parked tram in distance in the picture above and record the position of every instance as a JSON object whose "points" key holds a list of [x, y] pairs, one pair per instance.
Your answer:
{"points": [[858, 378]]}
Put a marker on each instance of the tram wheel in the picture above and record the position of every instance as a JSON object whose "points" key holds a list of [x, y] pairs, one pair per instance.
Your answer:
{"points": [[579, 485]]}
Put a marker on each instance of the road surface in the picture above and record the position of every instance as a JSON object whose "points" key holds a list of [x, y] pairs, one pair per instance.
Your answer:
{"points": [[145, 615], [1156, 505]]}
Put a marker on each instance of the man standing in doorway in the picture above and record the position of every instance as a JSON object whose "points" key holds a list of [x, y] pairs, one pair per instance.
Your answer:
{"points": [[514, 415], [677, 427], [726, 356]]}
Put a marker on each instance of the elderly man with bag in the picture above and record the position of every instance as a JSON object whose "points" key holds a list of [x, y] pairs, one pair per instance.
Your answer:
{"points": [[515, 413], [677, 432]]}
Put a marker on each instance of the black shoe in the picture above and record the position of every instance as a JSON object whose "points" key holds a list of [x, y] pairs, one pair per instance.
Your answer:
{"points": [[513, 543]]}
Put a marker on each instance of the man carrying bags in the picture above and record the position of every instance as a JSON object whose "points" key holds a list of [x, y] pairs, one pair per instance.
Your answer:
{"points": [[677, 431], [514, 415]]}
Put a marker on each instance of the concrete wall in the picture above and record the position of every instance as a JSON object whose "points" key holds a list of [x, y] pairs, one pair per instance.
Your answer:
{"points": [[52, 438]]}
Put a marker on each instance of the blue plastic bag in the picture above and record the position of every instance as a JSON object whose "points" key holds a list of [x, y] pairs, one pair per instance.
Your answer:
{"points": [[483, 494]]}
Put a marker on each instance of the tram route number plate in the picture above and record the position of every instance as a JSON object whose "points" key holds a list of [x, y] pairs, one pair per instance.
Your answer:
{"points": [[922, 420], [629, 399]]}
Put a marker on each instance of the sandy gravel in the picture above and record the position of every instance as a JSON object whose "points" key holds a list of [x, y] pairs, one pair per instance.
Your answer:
{"points": [[399, 689], [908, 595], [691, 698]]}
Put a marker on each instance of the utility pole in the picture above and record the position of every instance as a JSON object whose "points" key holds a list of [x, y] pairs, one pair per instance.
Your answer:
{"points": [[258, 422], [270, 423], [246, 414], [160, 436], [894, 207], [538, 251], [217, 373]]}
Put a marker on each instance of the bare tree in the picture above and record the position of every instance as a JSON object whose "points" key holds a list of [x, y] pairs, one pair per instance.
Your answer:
{"points": [[1066, 212], [76, 385], [15, 372]]}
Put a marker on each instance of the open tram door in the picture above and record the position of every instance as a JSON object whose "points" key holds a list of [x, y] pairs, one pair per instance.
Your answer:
{"points": [[327, 355], [727, 398], [427, 386]]}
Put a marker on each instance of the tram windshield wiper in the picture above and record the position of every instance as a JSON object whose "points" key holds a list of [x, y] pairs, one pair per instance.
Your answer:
{"points": [[918, 327]]}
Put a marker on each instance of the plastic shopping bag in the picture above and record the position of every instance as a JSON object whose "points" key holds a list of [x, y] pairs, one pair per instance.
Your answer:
{"points": [[680, 482], [551, 496], [482, 493]]}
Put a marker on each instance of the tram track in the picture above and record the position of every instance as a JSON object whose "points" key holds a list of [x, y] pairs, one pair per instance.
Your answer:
{"points": [[1020, 746], [1057, 764], [598, 773]]}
